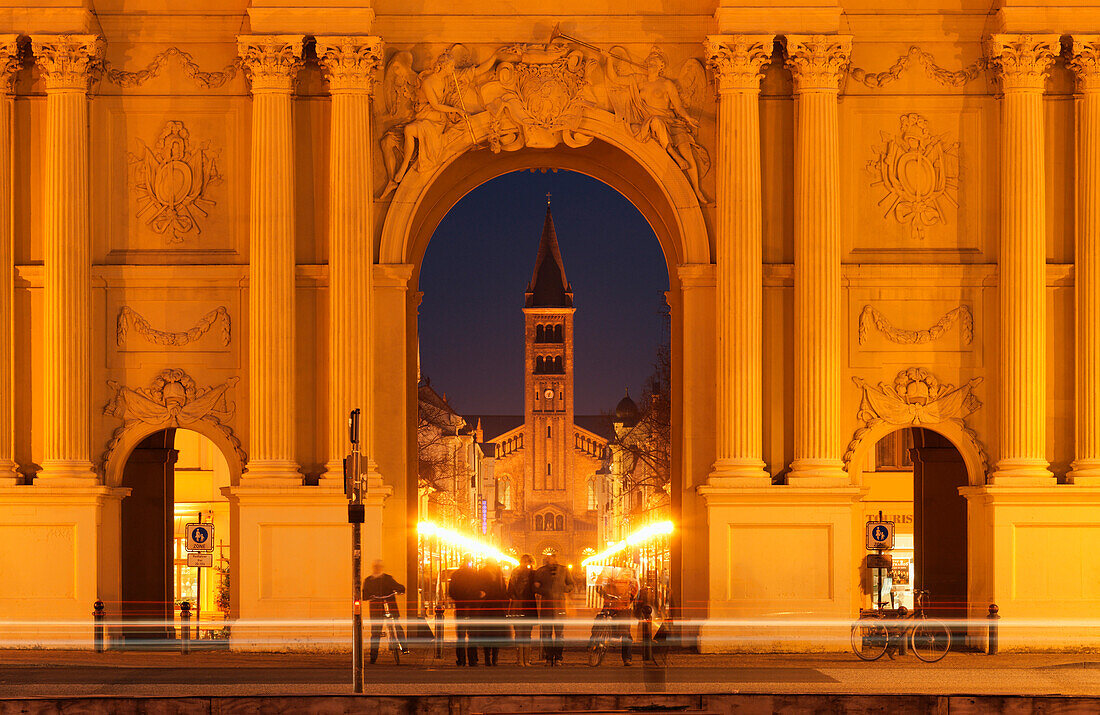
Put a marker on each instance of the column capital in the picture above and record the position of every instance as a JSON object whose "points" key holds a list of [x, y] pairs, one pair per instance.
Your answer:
{"points": [[738, 61], [1084, 59], [350, 62], [68, 62], [271, 61], [818, 62], [9, 63], [1022, 62]]}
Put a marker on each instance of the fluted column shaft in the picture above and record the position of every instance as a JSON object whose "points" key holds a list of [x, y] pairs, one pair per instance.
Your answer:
{"points": [[272, 62], [1085, 62], [9, 63], [1022, 63], [817, 63], [350, 64], [67, 62], [738, 62]]}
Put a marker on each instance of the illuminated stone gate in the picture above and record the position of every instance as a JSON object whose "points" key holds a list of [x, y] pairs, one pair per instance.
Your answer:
{"points": [[860, 213]]}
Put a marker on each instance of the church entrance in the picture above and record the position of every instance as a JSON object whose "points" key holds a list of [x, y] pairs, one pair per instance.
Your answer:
{"points": [[175, 477], [913, 476], [544, 426]]}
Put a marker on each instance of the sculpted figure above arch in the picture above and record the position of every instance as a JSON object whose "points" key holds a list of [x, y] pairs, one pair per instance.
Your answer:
{"points": [[534, 95]]}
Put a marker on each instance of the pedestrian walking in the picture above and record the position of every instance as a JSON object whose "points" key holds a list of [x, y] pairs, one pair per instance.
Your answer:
{"points": [[380, 591], [618, 586], [552, 584], [494, 606], [524, 608], [464, 589]]}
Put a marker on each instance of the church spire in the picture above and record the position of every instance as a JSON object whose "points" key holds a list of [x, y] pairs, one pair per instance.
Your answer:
{"points": [[548, 287]]}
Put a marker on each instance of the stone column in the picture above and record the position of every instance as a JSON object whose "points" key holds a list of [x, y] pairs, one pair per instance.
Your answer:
{"points": [[350, 64], [817, 62], [67, 63], [9, 64], [1022, 63], [738, 62], [271, 61], [1085, 62]]}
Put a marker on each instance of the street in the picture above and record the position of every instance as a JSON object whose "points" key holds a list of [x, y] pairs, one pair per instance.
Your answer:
{"points": [[37, 673]]}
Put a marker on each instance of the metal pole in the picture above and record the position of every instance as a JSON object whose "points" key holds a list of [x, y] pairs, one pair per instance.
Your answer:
{"points": [[993, 636], [185, 628], [98, 613], [353, 481]]}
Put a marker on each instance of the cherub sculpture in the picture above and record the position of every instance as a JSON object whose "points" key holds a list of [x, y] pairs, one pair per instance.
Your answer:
{"points": [[425, 106], [656, 108]]}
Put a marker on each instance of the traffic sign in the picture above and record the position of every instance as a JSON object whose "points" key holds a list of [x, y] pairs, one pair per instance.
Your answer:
{"points": [[200, 537], [880, 535], [204, 558]]}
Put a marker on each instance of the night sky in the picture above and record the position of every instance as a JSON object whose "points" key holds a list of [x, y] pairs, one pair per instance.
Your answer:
{"points": [[477, 268]]}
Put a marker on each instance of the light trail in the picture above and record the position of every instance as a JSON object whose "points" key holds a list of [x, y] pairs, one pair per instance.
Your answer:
{"points": [[650, 531], [427, 528]]}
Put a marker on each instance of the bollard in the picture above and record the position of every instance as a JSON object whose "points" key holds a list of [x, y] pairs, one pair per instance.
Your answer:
{"points": [[99, 612], [647, 639], [439, 631], [185, 628], [991, 640]]}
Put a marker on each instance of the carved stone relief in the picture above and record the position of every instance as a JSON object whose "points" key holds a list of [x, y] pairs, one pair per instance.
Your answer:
{"points": [[942, 75], [919, 173], [172, 400], [531, 95], [870, 317], [171, 180], [129, 318], [206, 80], [915, 398]]}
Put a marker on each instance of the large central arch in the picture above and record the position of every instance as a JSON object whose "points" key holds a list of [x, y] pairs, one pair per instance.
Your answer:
{"points": [[646, 175]]}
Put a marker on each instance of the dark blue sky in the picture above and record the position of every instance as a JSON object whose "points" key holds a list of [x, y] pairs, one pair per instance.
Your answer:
{"points": [[480, 261]]}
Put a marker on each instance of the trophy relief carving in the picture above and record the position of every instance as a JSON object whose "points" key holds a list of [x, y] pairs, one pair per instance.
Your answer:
{"points": [[916, 397], [172, 400], [534, 95], [129, 318], [919, 174], [171, 180]]}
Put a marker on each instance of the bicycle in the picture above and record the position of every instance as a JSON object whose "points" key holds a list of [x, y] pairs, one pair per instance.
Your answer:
{"points": [[929, 639], [390, 626], [603, 629]]}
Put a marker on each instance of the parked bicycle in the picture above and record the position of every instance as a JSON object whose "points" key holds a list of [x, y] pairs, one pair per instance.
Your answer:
{"points": [[393, 643], [929, 639], [603, 630]]}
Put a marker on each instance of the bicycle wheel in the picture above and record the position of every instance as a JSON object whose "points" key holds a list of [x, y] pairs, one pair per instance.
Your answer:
{"points": [[869, 640], [930, 640], [395, 646], [596, 654]]}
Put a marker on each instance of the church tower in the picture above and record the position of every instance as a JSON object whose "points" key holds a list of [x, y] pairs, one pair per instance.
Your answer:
{"points": [[548, 379]]}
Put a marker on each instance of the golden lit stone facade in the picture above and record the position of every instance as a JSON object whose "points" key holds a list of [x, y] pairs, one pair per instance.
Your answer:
{"points": [[873, 219]]}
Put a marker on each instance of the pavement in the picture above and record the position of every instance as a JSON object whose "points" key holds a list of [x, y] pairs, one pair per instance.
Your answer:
{"points": [[45, 674]]}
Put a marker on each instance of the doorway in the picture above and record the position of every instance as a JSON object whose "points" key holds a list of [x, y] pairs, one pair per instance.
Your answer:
{"points": [[913, 476], [175, 477]]}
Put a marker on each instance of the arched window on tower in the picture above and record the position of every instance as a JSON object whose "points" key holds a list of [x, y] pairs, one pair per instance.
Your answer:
{"points": [[540, 365], [540, 333], [559, 333], [559, 523], [538, 522], [559, 367], [504, 494]]}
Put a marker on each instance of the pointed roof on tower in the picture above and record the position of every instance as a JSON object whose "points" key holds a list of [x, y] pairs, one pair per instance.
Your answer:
{"points": [[548, 287]]}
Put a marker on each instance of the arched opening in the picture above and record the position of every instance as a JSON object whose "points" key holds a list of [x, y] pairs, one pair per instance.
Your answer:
{"points": [[912, 476], [175, 477], [601, 330]]}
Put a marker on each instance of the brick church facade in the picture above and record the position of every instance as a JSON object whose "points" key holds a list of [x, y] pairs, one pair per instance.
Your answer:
{"points": [[547, 458]]}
